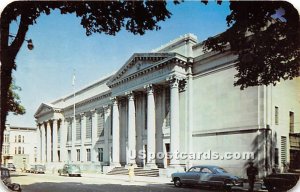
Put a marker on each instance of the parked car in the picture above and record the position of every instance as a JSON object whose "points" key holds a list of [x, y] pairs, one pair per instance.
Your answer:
{"points": [[5, 178], [29, 168], [11, 167], [209, 176], [70, 170], [278, 182], [38, 169]]}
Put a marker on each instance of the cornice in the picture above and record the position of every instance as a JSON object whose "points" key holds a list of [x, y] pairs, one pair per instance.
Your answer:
{"points": [[173, 58]]}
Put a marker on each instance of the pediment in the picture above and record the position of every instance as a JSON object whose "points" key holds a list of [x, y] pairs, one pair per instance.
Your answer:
{"points": [[138, 62], [45, 108]]}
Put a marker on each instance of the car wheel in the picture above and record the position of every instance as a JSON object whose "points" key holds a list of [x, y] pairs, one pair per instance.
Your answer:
{"points": [[226, 187], [177, 182], [69, 175]]}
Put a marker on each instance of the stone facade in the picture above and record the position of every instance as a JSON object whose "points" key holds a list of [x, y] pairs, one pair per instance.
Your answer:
{"points": [[175, 98], [19, 146]]}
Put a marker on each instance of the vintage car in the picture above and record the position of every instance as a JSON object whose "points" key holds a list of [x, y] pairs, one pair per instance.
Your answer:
{"points": [[279, 182], [70, 170], [5, 179], [38, 169], [209, 176], [11, 167]]}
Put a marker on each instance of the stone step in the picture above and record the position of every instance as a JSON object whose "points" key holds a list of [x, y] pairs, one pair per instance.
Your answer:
{"points": [[138, 171]]}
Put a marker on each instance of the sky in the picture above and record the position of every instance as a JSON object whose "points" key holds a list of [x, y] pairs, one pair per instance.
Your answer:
{"points": [[61, 45]]}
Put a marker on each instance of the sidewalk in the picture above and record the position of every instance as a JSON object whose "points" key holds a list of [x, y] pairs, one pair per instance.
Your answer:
{"points": [[258, 187], [162, 180], [144, 179]]}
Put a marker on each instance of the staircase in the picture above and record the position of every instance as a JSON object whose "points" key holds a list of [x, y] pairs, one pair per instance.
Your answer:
{"points": [[138, 171]]}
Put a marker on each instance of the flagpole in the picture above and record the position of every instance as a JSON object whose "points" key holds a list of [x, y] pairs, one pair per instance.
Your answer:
{"points": [[74, 100]]}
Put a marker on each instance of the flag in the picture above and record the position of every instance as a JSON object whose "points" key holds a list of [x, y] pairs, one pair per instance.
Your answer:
{"points": [[73, 80]]}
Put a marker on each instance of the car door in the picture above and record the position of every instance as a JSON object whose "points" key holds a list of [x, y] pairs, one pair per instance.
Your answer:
{"points": [[65, 169], [192, 176], [205, 175]]}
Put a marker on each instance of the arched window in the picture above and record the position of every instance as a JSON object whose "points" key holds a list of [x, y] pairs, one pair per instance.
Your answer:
{"points": [[16, 148], [19, 139], [19, 150], [15, 138], [23, 139]]}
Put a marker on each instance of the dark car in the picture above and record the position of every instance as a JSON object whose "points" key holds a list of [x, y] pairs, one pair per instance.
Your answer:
{"points": [[70, 170], [38, 169], [210, 176], [279, 182], [11, 167], [5, 178]]}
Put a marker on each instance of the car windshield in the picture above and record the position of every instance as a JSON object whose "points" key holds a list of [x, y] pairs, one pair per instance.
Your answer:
{"points": [[220, 170], [73, 167]]}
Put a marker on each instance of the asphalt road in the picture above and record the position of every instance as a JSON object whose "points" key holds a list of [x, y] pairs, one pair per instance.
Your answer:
{"points": [[54, 183]]}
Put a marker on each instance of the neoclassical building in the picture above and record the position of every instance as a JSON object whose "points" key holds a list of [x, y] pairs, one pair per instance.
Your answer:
{"points": [[176, 98]]}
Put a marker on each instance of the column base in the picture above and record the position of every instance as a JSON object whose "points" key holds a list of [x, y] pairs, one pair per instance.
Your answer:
{"points": [[115, 164], [151, 166], [133, 164]]}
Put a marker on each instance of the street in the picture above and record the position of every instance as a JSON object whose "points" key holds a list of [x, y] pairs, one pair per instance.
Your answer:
{"points": [[94, 183]]}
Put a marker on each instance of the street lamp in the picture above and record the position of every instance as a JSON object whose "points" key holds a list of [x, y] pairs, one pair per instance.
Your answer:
{"points": [[29, 42]]}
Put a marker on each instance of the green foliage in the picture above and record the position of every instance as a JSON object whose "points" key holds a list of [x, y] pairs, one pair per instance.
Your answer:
{"points": [[267, 43], [14, 103]]}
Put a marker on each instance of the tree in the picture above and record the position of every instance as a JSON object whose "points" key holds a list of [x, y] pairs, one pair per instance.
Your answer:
{"points": [[267, 44], [13, 100], [107, 17]]}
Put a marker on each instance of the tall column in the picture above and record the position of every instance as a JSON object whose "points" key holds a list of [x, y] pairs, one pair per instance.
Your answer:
{"points": [[43, 143], [55, 140], [48, 142], [94, 134], [151, 139], [83, 135], [63, 141], [39, 142], [107, 124], [73, 149], [131, 153], [174, 121], [116, 134]]}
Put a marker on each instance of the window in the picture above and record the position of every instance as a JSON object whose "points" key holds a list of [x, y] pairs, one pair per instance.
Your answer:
{"points": [[88, 154], [291, 122], [15, 150], [59, 131], [19, 150], [100, 130], [23, 139], [89, 127], [19, 138], [283, 152], [23, 150], [146, 114], [78, 154], [167, 108], [15, 138], [206, 170], [276, 156], [194, 169], [69, 135], [276, 115], [78, 129], [100, 154]]}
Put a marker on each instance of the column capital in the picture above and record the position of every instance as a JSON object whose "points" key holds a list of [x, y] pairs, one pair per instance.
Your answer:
{"points": [[114, 100], [149, 88], [173, 81], [130, 95], [106, 109]]}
